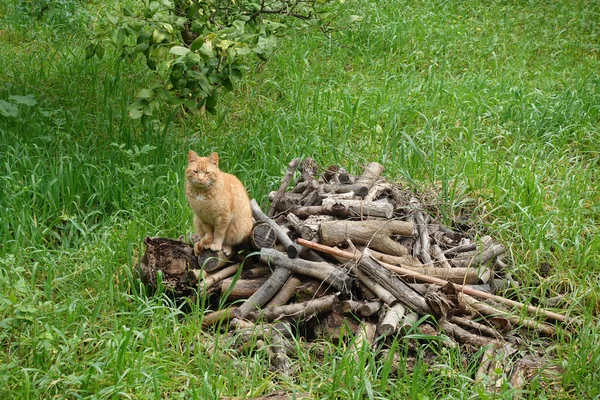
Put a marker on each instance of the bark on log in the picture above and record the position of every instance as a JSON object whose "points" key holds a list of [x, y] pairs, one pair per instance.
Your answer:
{"points": [[362, 208], [473, 259], [296, 310], [365, 182], [286, 292], [266, 291], [374, 233], [322, 271], [463, 336], [400, 290], [242, 288], [336, 209]]}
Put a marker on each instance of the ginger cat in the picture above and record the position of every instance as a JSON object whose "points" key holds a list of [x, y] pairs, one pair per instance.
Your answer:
{"points": [[222, 214]]}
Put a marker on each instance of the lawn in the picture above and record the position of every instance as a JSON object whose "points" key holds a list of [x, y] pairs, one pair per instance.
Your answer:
{"points": [[494, 105]]}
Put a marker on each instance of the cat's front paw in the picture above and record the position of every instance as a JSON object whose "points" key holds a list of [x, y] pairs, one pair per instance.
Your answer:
{"points": [[215, 246]]}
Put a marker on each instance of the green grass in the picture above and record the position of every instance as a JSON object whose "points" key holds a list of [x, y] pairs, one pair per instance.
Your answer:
{"points": [[496, 105]]}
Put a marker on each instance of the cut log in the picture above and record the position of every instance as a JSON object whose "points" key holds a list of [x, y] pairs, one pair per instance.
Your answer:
{"points": [[335, 209], [263, 235], [368, 308], [374, 233], [391, 320]]}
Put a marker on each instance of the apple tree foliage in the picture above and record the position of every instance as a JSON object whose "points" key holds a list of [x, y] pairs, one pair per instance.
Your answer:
{"points": [[199, 47]]}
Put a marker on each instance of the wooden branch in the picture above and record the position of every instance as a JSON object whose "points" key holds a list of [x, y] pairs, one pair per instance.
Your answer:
{"points": [[439, 256], [365, 182], [284, 239], [472, 259], [296, 310], [242, 288], [285, 182], [218, 276], [429, 279], [362, 208], [266, 291], [400, 290], [374, 233], [419, 220], [346, 306], [464, 336], [391, 320], [322, 271], [481, 329], [220, 316], [336, 209], [286, 292], [368, 308]]}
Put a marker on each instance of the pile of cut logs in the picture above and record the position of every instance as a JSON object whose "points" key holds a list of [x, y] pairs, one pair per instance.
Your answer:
{"points": [[340, 257]]}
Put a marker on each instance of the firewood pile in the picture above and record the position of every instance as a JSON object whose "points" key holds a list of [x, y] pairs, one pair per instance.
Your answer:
{"points": [[356, 259]]}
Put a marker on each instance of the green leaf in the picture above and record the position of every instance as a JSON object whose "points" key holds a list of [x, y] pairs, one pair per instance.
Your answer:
{"points": [[145, 94], [28, 100], [135, 114], [197, 43], [127, 12], [100, 50], [158, 36], [141, 47], [179, 50], [8, 109], [90, 51]]}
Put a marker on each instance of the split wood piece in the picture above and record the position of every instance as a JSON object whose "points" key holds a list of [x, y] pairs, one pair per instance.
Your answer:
{"points": [[368, 308], [263, 235], [266, 292], [299, 311], [482, 329], [362, 208], [377, 189], [486, 309], [285, 182], [286, 292], [439, 256], [224, 315], [399, 289], [463, 336], [336, 209], [391, 320], [291, 248], [322, 271], [463, 248], [330, 174], [429, 279], [218, 276], [241, 288], [374, 233], [419, 219]]}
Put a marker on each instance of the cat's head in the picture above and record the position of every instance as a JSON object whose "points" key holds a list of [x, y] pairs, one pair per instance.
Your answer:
{"points": [[202, 171]]}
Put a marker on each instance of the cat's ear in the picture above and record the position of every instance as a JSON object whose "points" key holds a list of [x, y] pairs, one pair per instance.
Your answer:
{"points": [[192, 156], [214, 158]]}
